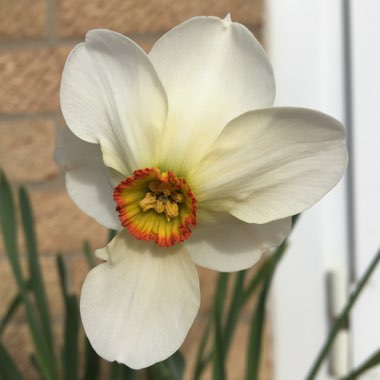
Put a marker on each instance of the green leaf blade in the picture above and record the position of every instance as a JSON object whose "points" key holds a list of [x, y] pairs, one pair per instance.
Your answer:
{"points": [[371, 362], [8, 368], [92, 363], [258, 316], [341, 320], [9, 229], [35, 274], [176, 364], [235, 308], [219, 372], [256, 336], [122, 372], [70, 354]]}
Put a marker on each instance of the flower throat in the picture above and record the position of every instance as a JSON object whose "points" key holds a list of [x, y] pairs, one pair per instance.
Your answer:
{"points": [[157, 206]]}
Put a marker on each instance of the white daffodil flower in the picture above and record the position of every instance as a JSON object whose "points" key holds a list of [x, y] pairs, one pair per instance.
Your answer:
{"points": [[180, 151]]}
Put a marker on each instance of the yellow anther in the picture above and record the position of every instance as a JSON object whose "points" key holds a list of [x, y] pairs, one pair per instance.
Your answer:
{"points": [[148, 202], [162, 197], [171, 210], [156, 206], [159, 207]]}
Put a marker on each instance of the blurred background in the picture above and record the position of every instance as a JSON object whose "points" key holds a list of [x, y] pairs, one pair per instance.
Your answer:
{"points": [[325, 57]]}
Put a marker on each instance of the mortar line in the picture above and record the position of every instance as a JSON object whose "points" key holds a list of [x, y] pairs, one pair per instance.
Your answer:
{"points": [[23, 116], [51, 11]]}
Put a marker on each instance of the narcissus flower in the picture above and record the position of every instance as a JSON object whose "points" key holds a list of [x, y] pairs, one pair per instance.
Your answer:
{"points": [[180, 152]]}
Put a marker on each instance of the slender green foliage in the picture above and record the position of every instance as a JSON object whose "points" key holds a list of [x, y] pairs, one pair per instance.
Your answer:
{"points": [[258, 317], [8, 368], [88, 254], [219, 347], [234, 310], [241, 295], [92, 360], [35, 275], [176, 364], [70, 354], [44, 355], [122, 372], [372, 361], [11, 310], [342, 318], [201, 362], [256, 335], [92, 363], [172, 368]]}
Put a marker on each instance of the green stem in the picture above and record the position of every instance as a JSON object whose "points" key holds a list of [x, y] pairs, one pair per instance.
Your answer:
{"points": [[233, 314], [256, 335], [342, 318], [258, 316], [219, 349], [372, 361], [8, 224], [36, 279], [201, 362]]}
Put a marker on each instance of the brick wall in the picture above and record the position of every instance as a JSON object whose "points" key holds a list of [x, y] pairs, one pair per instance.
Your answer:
{"points": [[35, 39]]}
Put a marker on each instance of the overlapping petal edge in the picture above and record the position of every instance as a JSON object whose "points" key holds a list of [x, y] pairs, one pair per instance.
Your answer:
{"points": [[191, 107]]}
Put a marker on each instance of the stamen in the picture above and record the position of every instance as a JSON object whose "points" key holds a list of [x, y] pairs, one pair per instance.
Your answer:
{"points": [[159, 207], [156, 206], [148, 202], [171, 210]]}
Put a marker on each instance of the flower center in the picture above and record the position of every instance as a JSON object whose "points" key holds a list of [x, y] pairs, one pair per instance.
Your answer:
{"points": [[156, 206], [163, 198]]}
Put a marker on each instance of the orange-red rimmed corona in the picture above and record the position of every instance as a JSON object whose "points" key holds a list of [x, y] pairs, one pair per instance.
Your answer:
{"points": [[155, 205]]}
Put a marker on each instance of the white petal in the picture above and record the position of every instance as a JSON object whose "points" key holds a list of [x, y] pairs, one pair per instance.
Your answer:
{"points": [[272, 163], [87, 179], [229, 244], [212, 70], [110, 94], [138, 307]]}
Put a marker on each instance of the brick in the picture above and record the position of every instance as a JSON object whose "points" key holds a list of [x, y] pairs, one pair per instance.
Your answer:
{"points": [[22, 19], [18, 343], [190, 348], [26, 150], [61, 225], [147, 17], [236, 363], [236, 360], [7, 285], [30, 79], [208, 280], [78, 269], [8, 288]]}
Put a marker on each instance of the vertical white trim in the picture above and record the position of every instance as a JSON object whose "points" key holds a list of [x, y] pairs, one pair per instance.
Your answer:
{"points": [[366, 122], [305, 42]]}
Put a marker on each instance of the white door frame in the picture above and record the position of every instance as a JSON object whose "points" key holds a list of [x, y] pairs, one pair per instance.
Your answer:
{"points": [[326, 56], [305, 41]]}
